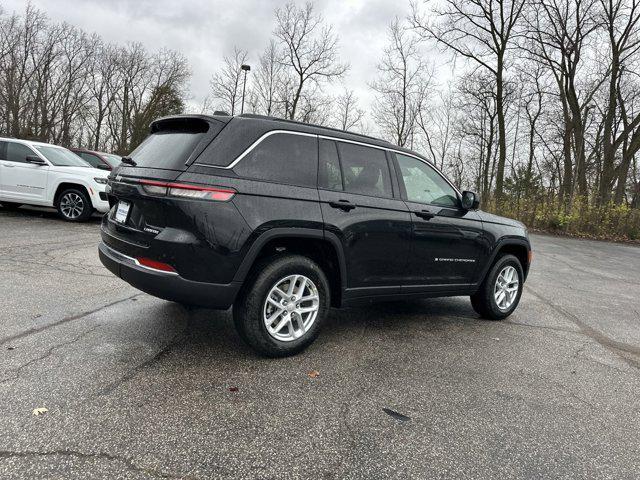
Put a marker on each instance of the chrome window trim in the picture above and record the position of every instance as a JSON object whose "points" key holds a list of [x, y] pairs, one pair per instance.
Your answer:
{"points": [[254, 145], [251, 147]]}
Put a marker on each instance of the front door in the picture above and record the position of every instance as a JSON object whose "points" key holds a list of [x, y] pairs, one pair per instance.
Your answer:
{"points": [[447, 240], [359, 207], [21, 181]]}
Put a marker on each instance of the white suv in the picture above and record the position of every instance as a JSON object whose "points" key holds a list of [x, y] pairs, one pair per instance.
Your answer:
{"points": [[34, 173]]}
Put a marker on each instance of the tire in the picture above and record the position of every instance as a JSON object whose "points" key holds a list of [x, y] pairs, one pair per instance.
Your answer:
{"points": [[10, 205], [74, 205], [484, 301], [252, 309]]}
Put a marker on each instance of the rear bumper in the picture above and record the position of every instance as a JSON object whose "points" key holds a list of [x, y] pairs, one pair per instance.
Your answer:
{"points": [[168, 286]]}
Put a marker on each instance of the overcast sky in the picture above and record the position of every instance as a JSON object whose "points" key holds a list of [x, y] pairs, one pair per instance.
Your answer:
{"points": [[205, 30]]}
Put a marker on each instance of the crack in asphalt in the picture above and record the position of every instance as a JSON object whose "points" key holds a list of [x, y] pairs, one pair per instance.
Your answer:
{"points": [[614, 346], [128, 462], [163, 352], [64, 320], [18, 370]]}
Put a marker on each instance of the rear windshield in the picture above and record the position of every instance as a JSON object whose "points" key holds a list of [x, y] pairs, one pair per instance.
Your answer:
{"points": [[170, 145]]}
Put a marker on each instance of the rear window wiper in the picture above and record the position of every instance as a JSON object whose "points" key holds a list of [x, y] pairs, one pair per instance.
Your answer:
{"points": [[129, 161]]}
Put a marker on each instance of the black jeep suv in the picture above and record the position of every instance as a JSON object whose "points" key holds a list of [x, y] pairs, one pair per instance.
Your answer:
{"points": [[283, 220]]}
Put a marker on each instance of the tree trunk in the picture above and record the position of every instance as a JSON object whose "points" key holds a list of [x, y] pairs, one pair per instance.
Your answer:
{"points": [[502, 141]]}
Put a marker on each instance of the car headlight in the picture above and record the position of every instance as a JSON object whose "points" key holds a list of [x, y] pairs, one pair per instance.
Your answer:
{"points": [[100, 180]]}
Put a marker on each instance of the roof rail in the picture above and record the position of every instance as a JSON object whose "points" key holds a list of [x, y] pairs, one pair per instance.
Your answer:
{"points": [[295, 122]]}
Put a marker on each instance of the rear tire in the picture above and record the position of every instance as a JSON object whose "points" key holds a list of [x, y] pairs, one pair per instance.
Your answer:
{"points": [[74, 205], [500, 292], [269, 316], [10, 205]]}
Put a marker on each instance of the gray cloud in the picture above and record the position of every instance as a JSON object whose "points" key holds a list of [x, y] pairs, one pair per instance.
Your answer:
{"points": [[205, 30]]}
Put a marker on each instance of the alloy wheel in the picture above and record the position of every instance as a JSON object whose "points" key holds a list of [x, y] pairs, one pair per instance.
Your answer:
{"points": [[506, 287], [291, 308], [71, 205]]}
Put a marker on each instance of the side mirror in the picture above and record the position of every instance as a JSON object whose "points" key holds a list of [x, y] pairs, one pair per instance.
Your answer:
{"points": [[470, 200], [102, 166], [35, 160]]}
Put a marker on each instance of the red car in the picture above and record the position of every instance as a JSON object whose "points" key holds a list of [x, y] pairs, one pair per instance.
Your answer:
{"points": [[101, 160]]}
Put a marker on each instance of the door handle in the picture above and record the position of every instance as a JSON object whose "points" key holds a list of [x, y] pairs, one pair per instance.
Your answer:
{"points": [[426, 215], [345, 205], [8, 165]]}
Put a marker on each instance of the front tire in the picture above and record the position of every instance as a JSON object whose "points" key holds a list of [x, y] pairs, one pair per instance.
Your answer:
{"points": [[282, 306], [500, 292], [74, 205]]}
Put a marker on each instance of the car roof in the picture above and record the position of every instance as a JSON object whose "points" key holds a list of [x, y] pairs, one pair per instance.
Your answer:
{"points": [[29, 142], [265, 123]]}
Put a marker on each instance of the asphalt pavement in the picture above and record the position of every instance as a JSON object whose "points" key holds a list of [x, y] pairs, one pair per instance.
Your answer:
{"points": [[139, 388]]}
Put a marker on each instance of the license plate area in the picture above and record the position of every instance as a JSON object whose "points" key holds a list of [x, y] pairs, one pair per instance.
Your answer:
{"points": [[122, 212]]}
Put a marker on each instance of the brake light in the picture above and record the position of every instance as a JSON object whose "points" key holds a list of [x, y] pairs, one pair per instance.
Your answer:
{"points": [[163, 267], [187, 191]]}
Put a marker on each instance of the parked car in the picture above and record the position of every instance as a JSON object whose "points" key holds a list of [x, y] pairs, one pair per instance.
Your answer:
{"points": [[283, 220], [41, 174], [101, 160]]}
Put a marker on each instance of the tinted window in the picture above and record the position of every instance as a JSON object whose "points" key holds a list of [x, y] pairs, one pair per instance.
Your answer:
{"points": [[424, 185], [171, 143], [92, 159], [16, 152], [329, 175], [365, 170], [282, 158]]}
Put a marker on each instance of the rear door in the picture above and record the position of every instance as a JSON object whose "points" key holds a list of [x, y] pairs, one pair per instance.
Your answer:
{"points": [[446, 240], [19, 180], [359, 206]]}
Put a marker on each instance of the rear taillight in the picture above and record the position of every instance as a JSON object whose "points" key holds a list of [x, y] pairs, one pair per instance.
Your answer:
{"points": [[184, 190]]}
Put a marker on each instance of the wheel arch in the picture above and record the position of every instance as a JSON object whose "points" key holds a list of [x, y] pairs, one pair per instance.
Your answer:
{"points": [[62, 186], [518, 247], [322, 247]]}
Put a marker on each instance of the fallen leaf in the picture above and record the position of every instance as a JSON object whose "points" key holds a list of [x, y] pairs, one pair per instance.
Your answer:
{"points": [[233, 389], [40, 411], [314, 373]]}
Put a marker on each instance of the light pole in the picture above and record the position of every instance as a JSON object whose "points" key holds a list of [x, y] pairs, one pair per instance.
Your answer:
{"points": [[246, 68]]}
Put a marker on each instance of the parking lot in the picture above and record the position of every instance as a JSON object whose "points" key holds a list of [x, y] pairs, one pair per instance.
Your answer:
{"points": [[137, 387]]}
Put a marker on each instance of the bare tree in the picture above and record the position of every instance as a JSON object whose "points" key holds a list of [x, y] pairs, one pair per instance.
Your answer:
{"points": [[226, 85], [620, 19], [348, 115], [310, 51], [481, 31], [268, 80], [401, 86]]}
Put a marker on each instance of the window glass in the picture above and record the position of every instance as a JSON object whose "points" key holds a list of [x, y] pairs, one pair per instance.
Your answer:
{"points": [[113, 160], [424, 185], [17, 152], [167, 149], [62, 157], [365, 170], [282, 158], [329, 175], [92, 159]]}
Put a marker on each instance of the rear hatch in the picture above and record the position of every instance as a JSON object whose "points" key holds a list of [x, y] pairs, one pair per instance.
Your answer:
{"points": [[138, 213]]}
